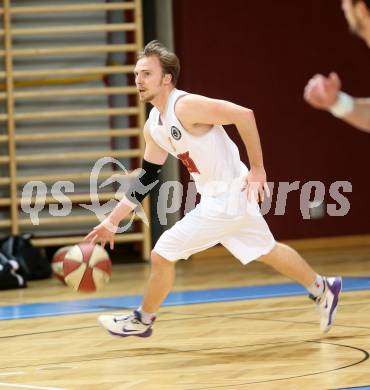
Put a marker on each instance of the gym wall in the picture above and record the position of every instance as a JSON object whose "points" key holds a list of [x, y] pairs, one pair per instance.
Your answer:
{"points": [[260, 54]]}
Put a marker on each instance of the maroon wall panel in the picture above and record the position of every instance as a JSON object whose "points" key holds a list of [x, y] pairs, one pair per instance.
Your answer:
{"points": [[260, 54]]}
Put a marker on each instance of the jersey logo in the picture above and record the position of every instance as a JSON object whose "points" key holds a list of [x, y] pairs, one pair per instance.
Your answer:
{"points": [[188, 162], [176, 133]]}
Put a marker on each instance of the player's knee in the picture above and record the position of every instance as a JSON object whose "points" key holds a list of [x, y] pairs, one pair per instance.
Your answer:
{"points": [[159, 261], [269, 257]]}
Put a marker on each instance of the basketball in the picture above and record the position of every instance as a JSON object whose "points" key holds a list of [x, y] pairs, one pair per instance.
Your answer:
{"points": [[87, 267], [57, 262]]}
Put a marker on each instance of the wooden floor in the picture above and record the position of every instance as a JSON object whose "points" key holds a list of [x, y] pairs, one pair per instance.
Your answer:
{"points": [[270, 343]]}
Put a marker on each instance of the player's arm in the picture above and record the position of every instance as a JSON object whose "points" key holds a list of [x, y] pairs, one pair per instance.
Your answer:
{"points": [[324, 93], [360, 115], [154, 158], [193, 110]]}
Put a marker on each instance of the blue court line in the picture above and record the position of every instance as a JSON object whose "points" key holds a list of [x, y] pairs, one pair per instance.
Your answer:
{"points": [[92, 305], [357, 388]]}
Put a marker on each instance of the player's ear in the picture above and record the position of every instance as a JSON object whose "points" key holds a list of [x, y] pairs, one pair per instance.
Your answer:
{"points": [[167, 79]]}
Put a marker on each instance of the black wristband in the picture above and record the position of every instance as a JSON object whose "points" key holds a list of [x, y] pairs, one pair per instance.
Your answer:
{"points": [[144, 183]]}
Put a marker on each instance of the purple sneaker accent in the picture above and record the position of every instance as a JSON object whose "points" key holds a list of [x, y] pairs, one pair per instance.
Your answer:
{"points": [[335, 289], [327, 303]]}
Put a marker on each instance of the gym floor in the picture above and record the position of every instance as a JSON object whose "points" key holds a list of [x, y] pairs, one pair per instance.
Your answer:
{"points": [[236, 327]]}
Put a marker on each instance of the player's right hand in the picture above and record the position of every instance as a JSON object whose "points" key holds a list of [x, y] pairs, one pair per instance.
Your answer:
{"points": [[322, 92], [103, 233]]}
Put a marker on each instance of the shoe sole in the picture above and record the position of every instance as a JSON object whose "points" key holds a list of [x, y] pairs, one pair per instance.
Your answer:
{"points": [[147, 333]]}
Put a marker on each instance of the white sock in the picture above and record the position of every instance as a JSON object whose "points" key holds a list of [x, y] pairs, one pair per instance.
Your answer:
{"points": [[317, 287], [146, 318]]}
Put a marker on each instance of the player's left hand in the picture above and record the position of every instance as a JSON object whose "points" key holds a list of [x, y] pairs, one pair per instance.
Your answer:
{"points": [[255, 185]]}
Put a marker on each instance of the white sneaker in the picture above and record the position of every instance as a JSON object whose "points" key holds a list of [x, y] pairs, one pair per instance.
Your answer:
{"points": [[124, 326], [328, 302]]}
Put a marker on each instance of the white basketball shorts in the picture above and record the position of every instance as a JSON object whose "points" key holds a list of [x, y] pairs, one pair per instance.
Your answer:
{"points": [[236, 224]]}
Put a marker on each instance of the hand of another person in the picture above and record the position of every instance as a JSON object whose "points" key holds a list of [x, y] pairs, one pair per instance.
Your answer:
{"points": [[321, 92]]}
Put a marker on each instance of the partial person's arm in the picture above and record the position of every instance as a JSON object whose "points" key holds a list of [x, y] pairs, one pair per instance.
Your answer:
{"points": [[154, 158], [195, 110], [360, 115], [324, 93]]}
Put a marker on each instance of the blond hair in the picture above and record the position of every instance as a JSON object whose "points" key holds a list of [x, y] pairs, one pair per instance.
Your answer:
{"points": [[168, 60]]}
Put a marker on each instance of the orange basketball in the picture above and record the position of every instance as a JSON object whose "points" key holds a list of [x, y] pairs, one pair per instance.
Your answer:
{"points": [[57, 262], [87, 267]]}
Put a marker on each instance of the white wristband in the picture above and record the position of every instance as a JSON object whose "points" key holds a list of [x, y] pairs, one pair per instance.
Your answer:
{"points": [[343, 106], [128, 202]]}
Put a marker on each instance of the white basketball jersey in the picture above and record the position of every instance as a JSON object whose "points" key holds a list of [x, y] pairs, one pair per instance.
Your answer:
{"points": [[212, 158]]}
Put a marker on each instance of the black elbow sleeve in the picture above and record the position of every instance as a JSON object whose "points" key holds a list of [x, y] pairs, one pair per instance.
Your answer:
{"points": [[145, 182]]}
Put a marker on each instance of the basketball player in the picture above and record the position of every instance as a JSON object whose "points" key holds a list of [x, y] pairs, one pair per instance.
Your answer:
{"points": [[190, 128], [324, 93]]}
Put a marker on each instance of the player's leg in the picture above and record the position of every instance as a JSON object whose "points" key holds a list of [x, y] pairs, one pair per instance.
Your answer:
{"points": [[139, 323], [253, 240], [192, 234], [289, 263], [160, 282], [324, 291]]}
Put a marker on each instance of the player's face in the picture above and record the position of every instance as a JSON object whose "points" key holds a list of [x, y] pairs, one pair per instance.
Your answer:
{"points": [[149, 78]]}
